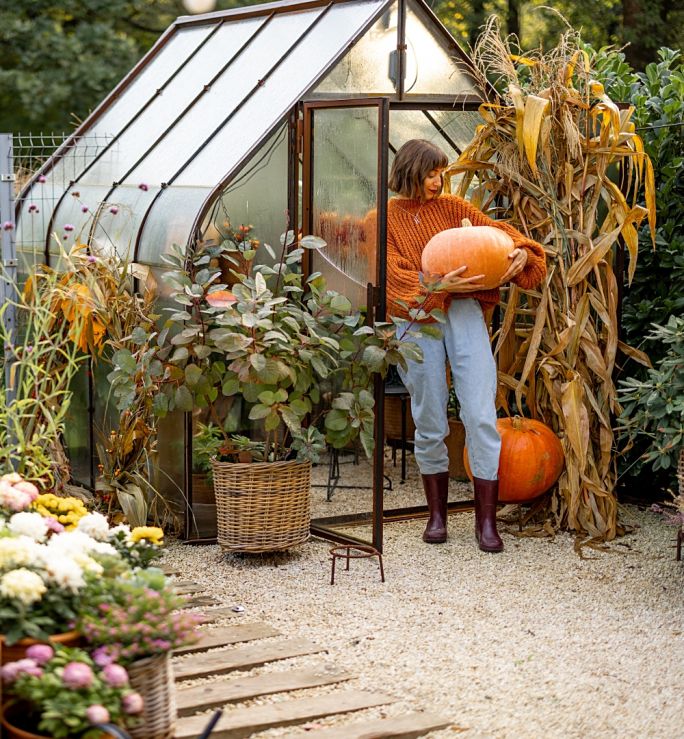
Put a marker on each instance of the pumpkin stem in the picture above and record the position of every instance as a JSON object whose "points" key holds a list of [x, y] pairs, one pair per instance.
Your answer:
{"points": [[465, 223], [517, 422]]}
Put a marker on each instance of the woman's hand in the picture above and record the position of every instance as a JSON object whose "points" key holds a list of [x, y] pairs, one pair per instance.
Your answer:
{"points": [[518, 259], [452, 282]]}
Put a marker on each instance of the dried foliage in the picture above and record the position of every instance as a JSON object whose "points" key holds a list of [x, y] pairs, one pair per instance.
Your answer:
{"points": [[558, 157]]}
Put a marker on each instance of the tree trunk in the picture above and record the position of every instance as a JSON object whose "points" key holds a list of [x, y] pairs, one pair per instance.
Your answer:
{"points": [[477, 19], [514, 18]]}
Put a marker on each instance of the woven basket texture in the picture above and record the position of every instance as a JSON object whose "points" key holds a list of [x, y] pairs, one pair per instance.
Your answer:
{"points": [[152, 677], [262, 506]]}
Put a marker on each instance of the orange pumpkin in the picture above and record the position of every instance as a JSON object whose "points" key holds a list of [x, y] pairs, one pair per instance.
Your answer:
{"points": [[531, 459], [483, 250]]}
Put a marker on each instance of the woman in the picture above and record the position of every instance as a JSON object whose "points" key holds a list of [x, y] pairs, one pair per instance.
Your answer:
{"points": [[419, 211]]}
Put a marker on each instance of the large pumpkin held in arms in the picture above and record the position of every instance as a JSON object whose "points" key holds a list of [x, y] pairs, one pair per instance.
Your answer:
{"points": [[531, 459], [483, 250]]}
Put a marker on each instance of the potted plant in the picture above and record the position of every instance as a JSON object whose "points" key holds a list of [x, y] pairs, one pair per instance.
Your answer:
{"points": [[136, 622], [61, 693], [206, 443], [48, 572], [300, 359]]}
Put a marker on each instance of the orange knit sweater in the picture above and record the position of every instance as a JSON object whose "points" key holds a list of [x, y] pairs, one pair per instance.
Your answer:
{"points": [[406, 240]]}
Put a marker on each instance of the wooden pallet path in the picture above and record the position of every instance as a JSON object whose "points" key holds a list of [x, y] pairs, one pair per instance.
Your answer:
{"points": [[232, 647], [242, 722], [196, 698], [242, 658], [225, 635]]}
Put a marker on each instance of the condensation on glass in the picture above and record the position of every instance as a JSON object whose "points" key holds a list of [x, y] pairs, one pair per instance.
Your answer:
{"points": [[345, 155]]}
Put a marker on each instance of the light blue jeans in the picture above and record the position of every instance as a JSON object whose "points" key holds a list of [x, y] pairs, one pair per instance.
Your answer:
{"points": [[465, 342]]}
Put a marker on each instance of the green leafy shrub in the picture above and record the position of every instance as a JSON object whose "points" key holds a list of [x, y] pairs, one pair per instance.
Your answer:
{"points": [[653, 408]]}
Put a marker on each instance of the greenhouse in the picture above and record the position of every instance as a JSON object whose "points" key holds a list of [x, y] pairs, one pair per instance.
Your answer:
{"points": [[278, 115]]}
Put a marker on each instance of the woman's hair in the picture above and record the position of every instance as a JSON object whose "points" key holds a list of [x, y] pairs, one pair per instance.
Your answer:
{"points": [[412, 164]]}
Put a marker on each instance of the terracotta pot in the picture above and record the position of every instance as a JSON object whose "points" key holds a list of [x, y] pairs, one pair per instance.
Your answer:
{"points": [[18, 649]]}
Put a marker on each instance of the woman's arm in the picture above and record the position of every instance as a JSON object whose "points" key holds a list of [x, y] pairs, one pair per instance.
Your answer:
{"points": [[534, 267]]}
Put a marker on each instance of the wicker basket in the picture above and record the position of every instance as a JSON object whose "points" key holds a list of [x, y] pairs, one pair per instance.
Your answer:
{"points": [[262, 506], [152, 677]]}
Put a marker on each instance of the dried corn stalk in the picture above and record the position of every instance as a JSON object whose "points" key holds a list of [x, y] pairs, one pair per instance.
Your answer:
{"points": [[565, 165]]}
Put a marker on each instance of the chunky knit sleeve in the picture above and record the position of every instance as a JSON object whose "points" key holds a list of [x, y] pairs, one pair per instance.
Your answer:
{"points": [[535, 269], [403, 282]]}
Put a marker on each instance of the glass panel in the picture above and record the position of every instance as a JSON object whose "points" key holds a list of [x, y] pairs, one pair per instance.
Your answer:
{"points": [[257, 196], [120, 218], [239, 79], [153, 76], [414, 124], [279, 93], [368, 68], [344, 200], [71, 223], [77, 428], [170, 221], [185, 86], [345, 154], [430, 67]]}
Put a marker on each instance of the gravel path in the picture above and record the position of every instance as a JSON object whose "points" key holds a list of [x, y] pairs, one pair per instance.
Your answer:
{"points": [[534, 642]]}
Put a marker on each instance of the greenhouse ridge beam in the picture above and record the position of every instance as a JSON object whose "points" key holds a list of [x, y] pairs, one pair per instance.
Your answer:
{"points": [[252, 11]]}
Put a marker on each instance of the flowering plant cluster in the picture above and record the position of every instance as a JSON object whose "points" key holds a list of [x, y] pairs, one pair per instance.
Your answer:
{"points": [[136, 617], [67, 511], [16, 494], [62, 692], [47, 571]]}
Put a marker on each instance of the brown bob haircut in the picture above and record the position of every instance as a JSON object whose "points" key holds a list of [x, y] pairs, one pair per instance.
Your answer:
{"points": [[412, 164]]}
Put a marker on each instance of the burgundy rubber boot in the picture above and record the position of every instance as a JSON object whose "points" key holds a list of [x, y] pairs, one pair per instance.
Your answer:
{"points": [[486, 498], [436, 492]]}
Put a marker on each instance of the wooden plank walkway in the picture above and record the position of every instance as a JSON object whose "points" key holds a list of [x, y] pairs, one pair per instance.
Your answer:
{"points": [[190, 700], [244, 646]]}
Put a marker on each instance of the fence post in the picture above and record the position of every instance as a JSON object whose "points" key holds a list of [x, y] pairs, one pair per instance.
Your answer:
{"points": [[9, 252]]}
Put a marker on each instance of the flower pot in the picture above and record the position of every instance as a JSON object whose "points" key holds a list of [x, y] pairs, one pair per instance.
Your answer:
{"points": [[18, 649], [152, 677], [262, 506]]}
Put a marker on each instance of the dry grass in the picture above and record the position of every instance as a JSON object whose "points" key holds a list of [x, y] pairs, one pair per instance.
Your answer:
{"points": [[556, 156]]}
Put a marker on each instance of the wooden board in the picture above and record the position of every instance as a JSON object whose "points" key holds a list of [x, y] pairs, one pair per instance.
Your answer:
{"points": [[201, 600], [242, 722], [215, 614], [190, 700], [187, 588], [222, 636], [409, 726], [241, 658]]}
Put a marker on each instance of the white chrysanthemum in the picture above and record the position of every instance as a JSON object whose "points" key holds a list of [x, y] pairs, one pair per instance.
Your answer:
{"points": [[122, 528], [94, 525], [16, 551], [22, 584], [77, 542], [65, 572], [32, 525]]}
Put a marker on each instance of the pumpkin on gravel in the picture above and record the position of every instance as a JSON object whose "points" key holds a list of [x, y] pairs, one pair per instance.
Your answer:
{"points": [[483, 250], [531, 459]]}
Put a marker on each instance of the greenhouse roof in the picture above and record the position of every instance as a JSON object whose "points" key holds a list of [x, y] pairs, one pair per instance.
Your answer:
{"points": [[214, 87]]}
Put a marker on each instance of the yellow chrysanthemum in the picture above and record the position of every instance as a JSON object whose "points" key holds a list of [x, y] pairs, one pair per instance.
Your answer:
{"points": [[152, 534]]}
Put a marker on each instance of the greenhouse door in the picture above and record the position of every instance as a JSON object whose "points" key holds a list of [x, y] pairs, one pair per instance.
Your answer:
{"points": [[344, 201]]}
